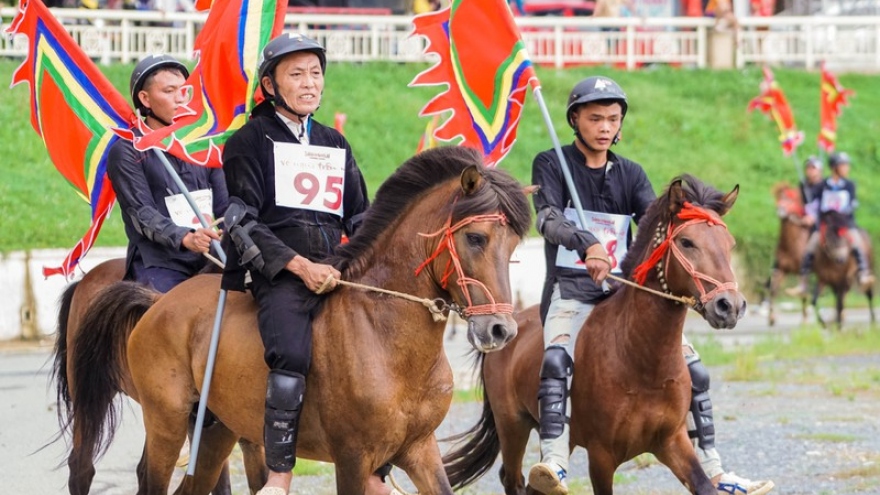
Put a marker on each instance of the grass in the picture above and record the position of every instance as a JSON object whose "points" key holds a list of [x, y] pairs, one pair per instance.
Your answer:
{"points": [[680, 121]]}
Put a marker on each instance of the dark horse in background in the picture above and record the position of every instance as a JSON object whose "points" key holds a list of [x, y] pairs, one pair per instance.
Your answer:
{"points": [[835, 264], [631, 389], [794, 230], [441, 227], [75, 301]]}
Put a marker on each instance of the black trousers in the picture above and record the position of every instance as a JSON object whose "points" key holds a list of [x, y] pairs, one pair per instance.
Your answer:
{"points": [[286, 308]]}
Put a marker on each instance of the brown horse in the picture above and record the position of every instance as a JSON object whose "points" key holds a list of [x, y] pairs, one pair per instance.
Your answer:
{"points": [[631, 388], [441, 227], [74, 302], [793, 233], [835, 264]]}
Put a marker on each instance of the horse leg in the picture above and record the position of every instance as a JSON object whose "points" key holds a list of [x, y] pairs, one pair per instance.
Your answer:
{"points": [[254, 464], [870, 295], [424, 466], [679, 456], [839, 297], [773, 284], [815, 299], [513, 435], [602, 467], [216, 444]]}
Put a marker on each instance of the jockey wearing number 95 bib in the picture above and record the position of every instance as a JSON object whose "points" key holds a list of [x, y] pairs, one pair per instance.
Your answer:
{"points": [[294, 189], [165, 238], [614, 191]]}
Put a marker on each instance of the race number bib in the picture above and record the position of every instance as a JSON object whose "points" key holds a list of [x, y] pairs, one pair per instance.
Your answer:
{"points": [[835, 201], [182, 213], [309, 177], [610, 229]]}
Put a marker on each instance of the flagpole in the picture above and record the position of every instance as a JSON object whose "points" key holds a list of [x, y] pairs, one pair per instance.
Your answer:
{"points": [[569, 181], [215, 332]]}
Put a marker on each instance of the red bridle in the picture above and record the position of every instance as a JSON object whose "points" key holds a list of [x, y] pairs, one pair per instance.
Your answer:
{"points": [[454, 265], [691, 215]]}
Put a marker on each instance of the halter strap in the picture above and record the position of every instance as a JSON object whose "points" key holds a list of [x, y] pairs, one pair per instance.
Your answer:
{"points": [[691, 215], [454, 265]]}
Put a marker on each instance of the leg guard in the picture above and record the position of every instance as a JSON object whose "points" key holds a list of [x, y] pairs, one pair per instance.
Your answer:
{"points": [[284, 396], [383, 471], [701, 404], [807, 263], [553, 392], [861, 259]]}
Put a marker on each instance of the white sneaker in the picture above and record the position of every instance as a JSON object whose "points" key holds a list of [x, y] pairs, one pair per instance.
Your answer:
{"points": [[548, 478], [731, 484], [272, 490]]}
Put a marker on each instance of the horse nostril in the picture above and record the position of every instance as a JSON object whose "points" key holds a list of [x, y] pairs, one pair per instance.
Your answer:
{"points": [[499, 332], [722, 306]]}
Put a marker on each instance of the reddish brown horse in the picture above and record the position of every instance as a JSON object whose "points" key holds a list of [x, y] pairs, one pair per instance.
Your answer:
{"points": [[441, 227], [793, 233], [631, 389], [73, 305], [835, 264]]}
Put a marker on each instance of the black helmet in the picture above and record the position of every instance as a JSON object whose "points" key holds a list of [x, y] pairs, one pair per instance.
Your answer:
{"points": [[813, 161], [596, 88], [147, 66], [837, 158], [285, 44]]}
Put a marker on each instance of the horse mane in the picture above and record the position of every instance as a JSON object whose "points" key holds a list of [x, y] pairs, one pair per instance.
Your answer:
{"points": [[695, 191], [420, 174]]}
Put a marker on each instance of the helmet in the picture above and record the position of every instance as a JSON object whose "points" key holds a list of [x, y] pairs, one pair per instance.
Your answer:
{"points": [[147, 66], [837, 158], [596, 88], [285, 44], [813, 161]]}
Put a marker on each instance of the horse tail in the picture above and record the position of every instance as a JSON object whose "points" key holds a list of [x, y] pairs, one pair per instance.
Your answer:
{"points": [[59, 365], [473, 458], [100, 366]]}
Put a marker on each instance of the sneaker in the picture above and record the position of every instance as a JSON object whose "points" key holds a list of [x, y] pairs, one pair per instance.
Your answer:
{"points": [[272, 490], [866, 281], [731, 484], [800, 290], [548, 478]]}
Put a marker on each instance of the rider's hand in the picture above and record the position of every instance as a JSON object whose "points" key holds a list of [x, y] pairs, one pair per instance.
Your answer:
{"points": [[597, 263], [314, 274], [200, 240]]}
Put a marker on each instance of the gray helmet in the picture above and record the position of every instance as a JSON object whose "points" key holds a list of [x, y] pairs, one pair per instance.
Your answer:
{"points": [[595, 88], [813, 161], [285, 44], [147, 66], [837, 158]]}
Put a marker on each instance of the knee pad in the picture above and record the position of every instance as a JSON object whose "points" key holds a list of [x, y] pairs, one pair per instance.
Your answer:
{"points": [[284, 396], [553, 392], [701, 404]]}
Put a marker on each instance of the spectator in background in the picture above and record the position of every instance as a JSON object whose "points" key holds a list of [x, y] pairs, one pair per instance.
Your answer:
{"points": [[612, 8]]}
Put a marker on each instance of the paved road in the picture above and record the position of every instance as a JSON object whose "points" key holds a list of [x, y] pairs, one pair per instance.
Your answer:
{"points": [[28, 420]]}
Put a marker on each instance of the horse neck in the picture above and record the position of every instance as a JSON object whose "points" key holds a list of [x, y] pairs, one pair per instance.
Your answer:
{"points": [[650, 335], [792, 234]]}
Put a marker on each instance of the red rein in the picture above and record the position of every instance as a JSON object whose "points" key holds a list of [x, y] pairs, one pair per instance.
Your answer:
{"points": [[454, 265], [691, 215]]}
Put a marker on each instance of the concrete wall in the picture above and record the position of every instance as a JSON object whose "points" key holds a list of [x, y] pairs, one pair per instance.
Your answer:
{"points": [[29, 302]]}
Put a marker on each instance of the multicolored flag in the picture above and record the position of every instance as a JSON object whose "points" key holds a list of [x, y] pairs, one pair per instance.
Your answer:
{"points": [[427, 140], [224, 81], [774, 104], [484, 63], [74, 109], [833, 99]]}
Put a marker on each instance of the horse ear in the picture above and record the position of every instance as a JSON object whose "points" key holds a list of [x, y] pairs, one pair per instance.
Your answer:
{"points": [[532, 189], [676, 197], [729, 199], [471, 180]]}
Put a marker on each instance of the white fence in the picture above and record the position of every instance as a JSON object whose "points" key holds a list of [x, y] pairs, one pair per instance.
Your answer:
{"points": [[843, 42]]}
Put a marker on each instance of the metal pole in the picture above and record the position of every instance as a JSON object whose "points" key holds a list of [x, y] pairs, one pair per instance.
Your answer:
{"points": [[215, 333], [569, 181]]}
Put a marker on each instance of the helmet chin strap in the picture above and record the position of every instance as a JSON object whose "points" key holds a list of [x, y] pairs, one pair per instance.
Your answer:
{"points": [[279, 101], [149, 113], [583, 141]]}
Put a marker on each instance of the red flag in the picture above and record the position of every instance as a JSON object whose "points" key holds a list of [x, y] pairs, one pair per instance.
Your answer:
{"points": [[427, 141], [833, 99], [74, 109], [339, 122], [484, 63], [774, 104]]}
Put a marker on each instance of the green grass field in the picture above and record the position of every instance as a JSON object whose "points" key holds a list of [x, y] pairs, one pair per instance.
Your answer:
{"points": [[680, 121]]}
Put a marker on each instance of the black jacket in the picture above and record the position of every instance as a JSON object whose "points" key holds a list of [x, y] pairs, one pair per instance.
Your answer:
{"points": [[281, 232], [142, 183], [624, 191]]}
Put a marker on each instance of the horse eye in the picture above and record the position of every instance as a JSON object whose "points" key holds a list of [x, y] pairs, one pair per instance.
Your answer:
{"points": [[686, 243], [476, 240]]}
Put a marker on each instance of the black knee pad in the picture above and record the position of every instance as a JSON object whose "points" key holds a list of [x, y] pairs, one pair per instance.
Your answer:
{"points": [[553, 392], [701, 404], [284, 396], [383, 471]]}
